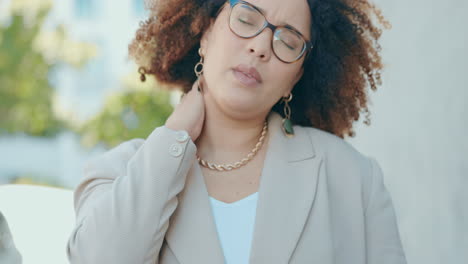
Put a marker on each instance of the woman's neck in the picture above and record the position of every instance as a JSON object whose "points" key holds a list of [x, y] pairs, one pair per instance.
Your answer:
{"points": [[227, 140]]}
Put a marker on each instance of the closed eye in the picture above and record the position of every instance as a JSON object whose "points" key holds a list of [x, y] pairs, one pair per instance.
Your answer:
{"points": [[287, 45], [245, 22]]}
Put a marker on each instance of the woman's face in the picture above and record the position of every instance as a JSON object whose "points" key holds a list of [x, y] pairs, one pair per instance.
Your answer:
{"points": [[223, 51]]}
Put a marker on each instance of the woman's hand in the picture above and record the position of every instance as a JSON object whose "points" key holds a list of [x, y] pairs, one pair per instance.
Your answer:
{"points": [[189, 114]]}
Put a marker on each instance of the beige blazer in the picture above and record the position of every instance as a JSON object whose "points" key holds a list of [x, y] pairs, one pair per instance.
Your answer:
{"points": [[320, 201]]}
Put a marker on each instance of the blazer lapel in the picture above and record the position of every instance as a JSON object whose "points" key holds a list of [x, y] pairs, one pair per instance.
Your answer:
{"points": [[192, 234], [286, 193]]}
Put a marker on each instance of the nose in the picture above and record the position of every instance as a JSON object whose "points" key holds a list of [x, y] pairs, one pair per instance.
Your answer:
{"points": [[260, 45]]}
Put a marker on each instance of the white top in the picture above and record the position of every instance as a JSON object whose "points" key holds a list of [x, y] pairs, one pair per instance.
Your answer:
{"points": [[235, 224]]}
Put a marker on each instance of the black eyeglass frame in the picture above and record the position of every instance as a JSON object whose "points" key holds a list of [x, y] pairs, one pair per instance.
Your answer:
{"points": [[307, 47]]}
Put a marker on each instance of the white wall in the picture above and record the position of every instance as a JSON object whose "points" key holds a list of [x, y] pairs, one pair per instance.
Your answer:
{"points": [[419, 126]]}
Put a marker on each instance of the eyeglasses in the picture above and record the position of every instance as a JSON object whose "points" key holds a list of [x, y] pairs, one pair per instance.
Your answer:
{"points": [[247, 21]]}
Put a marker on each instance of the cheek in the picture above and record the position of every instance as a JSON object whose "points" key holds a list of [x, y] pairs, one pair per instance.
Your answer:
{"points": [[222, 47], [227, 44], [281, 78]]}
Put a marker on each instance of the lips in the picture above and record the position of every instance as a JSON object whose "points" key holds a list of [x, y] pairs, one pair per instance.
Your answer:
{"points": [[245, 80], [250, 72]]}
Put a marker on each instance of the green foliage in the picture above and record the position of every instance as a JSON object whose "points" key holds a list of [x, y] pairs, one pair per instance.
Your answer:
{"points": [[27, 56], [127, 115], [25, 92]]}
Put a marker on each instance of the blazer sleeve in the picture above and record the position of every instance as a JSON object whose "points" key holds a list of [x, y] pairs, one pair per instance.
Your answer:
{"points": [[383, 240], [126, 198]]}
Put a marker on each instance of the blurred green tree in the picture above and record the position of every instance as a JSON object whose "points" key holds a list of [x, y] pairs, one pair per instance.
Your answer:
{"points": [[133, 112], [28, 53]]}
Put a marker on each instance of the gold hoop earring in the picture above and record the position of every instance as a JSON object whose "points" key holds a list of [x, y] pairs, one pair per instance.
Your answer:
{"points": [[198, 69], [142, 72], [287, 126]]}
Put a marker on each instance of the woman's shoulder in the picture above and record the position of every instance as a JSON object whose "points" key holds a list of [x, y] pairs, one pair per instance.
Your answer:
{"points": [[345, 165], [329, 144], [339, 155]]}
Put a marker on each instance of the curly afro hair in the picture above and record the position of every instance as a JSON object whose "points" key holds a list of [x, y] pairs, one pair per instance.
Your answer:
{"points": [[332, 92]]}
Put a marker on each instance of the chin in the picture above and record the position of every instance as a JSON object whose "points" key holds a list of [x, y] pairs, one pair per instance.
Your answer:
{"points": [[238, 101], [239, 106]]}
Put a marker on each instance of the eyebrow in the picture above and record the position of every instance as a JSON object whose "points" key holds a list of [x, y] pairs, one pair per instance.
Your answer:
{"points": [[282, 23]]}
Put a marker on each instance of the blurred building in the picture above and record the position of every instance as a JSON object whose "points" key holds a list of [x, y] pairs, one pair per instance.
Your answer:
{"points": [[110, 24]]}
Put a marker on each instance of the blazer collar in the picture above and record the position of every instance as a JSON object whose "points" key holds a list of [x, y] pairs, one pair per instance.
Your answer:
{"points": [[287, 190]]}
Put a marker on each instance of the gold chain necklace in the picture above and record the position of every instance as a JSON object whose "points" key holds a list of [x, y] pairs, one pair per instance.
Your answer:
{"points": [[242, 162]]}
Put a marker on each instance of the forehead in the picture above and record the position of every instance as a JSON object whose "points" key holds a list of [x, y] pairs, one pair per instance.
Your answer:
{"points": [[280, 12]]}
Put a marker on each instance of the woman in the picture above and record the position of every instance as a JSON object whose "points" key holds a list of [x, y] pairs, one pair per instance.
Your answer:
{"points": [[251, 167]]}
